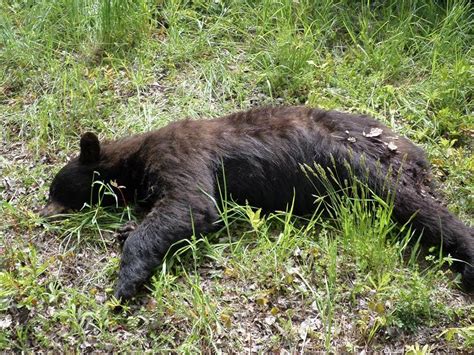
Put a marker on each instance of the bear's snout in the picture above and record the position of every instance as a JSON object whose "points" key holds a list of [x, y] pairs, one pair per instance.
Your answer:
{"points": [[52, 208]]}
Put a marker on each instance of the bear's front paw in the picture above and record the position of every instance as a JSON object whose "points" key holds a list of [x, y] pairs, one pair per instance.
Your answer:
{"points": [[124, 231], [125, 291]]}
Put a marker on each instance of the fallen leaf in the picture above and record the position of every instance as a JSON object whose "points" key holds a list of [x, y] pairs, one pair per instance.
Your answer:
{"points": [[151, 304], [229, 272], [261, 300], [270, 320], [5, 322], [392, 146], [374, 132], [226, 320], [310, 324], [377, 307]]}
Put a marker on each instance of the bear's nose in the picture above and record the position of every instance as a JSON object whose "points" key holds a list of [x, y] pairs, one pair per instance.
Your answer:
{"points": [[52, 208]]}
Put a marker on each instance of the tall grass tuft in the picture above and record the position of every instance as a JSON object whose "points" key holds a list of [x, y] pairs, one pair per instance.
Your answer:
{"points": [[123, 22]]}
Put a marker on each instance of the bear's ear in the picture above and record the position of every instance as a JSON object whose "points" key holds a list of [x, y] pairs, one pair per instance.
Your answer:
{"points": [[90, 148]]}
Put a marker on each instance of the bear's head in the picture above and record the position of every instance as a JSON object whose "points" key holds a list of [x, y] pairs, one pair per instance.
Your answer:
{"points": [[72, 186]]}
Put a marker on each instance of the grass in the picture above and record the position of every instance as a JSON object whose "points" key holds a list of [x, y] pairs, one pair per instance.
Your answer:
{"points": [[263, 283]]}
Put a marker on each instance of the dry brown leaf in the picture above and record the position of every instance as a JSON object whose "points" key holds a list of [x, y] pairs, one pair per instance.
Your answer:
{"points": [[270, 320], [374, 132], [392, 146]]}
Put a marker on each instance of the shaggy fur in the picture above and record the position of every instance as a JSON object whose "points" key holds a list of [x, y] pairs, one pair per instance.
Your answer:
{"points": [[173, 171]]}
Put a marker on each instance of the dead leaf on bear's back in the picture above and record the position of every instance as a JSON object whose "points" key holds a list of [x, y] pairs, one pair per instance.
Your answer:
{"points": [[374, 132], [391, 146]]}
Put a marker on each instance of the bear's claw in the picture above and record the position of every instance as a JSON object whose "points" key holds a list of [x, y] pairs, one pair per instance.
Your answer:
{"points": [[124, 231]]}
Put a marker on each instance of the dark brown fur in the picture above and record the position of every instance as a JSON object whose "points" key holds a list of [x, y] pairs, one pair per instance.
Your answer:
{"points": [[174, 170]]}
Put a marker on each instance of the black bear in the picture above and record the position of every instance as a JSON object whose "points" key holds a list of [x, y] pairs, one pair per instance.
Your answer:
{"points": [[175, 172]]}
